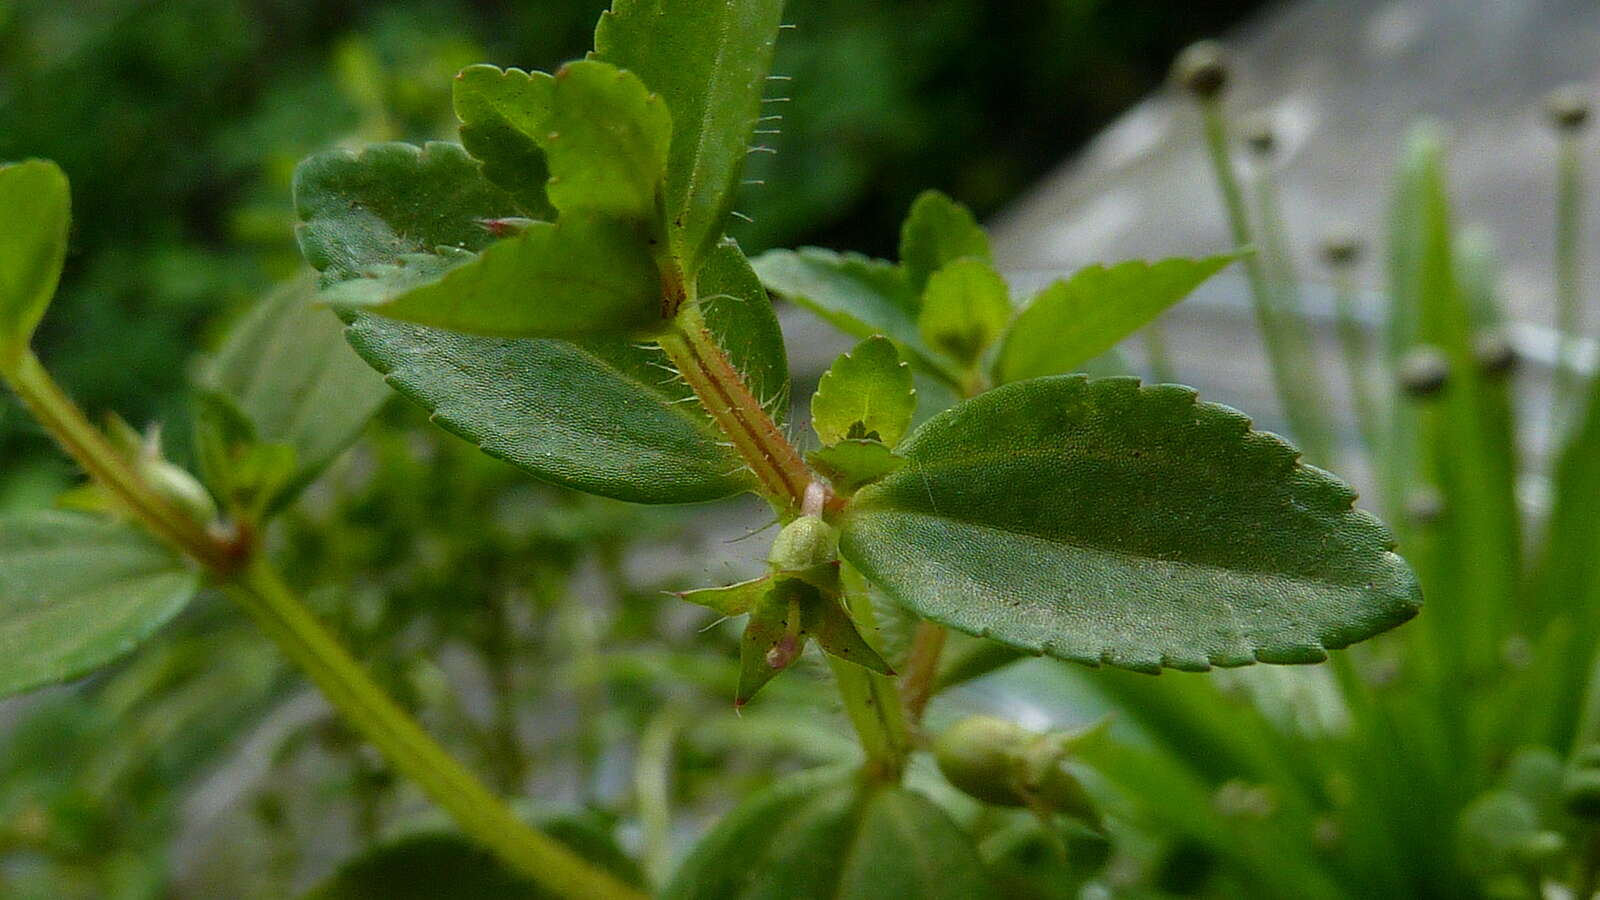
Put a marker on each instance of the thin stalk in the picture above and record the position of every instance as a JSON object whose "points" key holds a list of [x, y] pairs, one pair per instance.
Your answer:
{"points": [[253, 583], [652, 788], [88, 446], [1357, 362], [1302, 403], [1569, 211], [871, 700], [1155, 349], [479, 813], [922, 668]]}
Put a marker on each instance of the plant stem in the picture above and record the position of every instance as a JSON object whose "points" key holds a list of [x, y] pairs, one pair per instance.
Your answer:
{"points": [[1357, 362], [1569, 176], [652, 788], [1298, 394], [922, 668], [250, 580], [407, 747], [780, 472], [72, 430], [871, 700], [1155, 350]]}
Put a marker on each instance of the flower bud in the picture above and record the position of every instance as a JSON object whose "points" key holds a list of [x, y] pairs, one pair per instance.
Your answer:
{"points": [[1494, 352], [1202, 70], [977, 755], [1260, 136], [1341, 247], [807, 541], [1424, 371], [1567, 108]]}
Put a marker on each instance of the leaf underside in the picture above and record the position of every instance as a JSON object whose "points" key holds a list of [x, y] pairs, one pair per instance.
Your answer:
{"points": [[1099, 521], [35, 211], [78, 592]]}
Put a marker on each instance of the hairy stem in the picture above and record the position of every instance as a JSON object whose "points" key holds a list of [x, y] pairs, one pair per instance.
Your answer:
{"points": [[479, 813], [88, 446], [781, 474], [1302, 402]]}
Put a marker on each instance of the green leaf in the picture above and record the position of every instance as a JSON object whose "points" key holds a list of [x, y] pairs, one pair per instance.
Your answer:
{"points": [[361, 212], [607, 144], [708, 59], [850, 464], [35, 212], [285, 368], [78, 592], [732, 600], [826, 835], [1076, 319], [867, 393], [857, 295], [601, 414], [577, 277], [965, 309], [1102, 522], [938, 231], [505, 114]]}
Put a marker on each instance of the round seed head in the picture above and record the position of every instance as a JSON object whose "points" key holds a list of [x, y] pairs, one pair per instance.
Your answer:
{"points": [[1494, 352], [1341, 247], [1424, 372], [979, 755], [1259, 135], [1202, 70], [1567, 107]]}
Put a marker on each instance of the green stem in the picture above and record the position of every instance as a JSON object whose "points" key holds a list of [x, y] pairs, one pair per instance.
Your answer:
{"points": [[1298, 395], [251, 581], [872, 701], [88, 446], [781, 473], [652, 787], [1569, 175], [922, 668], [1357, 363], [479, 813], [1155, 349]]}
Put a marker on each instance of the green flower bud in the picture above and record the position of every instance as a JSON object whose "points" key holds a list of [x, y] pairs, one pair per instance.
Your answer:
{"points": [[1202, 70], [979, 755], [1567, 108], [1341, 247], [1494, 353], [180, 488], [807, 541], [1424, 371]]}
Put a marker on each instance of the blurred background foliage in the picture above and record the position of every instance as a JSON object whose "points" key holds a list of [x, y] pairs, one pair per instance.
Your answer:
{"points": [[180, 121]]}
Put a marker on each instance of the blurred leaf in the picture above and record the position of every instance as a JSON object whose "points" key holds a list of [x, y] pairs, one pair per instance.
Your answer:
{"points": [[1076, 319], [708, 59], [823, 835], [285, 368], [430, 865], [866, 393], [607, 144], [938, 231], [35, 212], [77, 592], [965, 308], [577, 277], [1102, 522], [857, 295], [504, 114]]}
